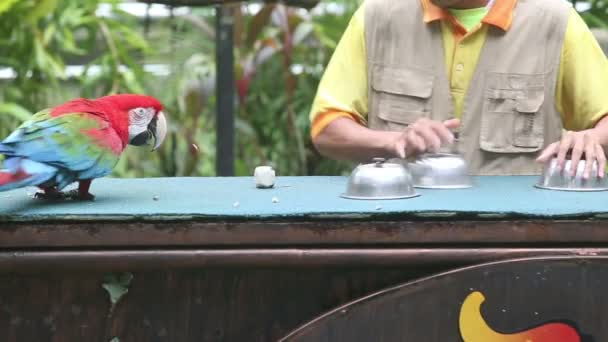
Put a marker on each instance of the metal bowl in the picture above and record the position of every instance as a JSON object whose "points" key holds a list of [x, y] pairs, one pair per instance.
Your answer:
{"points": [[440, 171], [380, 180], [554, 179]]}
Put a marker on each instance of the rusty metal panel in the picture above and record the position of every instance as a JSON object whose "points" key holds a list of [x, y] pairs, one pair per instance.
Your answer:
{"points": [[189, 305], [539, 300], [376, 233]]}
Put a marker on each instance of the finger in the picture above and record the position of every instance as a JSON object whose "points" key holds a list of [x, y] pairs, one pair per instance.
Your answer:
{"points": [[548, 152], [416, 142], [600, 156], [578, 142], [589, 156], [431, 139], [452, 123], [443, 132], [400, 147], [564, 146]]}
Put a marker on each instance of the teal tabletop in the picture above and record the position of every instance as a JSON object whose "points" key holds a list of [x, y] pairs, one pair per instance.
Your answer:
{"points": [[297, 197]]}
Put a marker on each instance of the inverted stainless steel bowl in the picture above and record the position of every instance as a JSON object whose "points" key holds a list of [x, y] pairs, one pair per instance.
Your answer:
{"points": [[380, 180], [440, 171], [554, 179]]}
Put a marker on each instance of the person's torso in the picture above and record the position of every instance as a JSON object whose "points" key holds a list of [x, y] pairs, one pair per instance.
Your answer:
{"points": [[508, 110]]}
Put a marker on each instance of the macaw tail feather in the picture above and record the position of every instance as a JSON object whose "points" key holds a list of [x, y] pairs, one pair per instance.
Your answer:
{"points": [[7, 177], [22, 172]]}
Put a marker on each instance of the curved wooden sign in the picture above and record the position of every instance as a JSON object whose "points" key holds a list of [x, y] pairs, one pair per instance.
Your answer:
{"points": [[561, 299]]}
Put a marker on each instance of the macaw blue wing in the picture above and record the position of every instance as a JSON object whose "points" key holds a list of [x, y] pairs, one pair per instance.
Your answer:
{"points": [[63, 142]]}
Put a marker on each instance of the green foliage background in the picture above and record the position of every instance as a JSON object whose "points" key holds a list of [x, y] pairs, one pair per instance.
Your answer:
{"points": [[280, 55]]}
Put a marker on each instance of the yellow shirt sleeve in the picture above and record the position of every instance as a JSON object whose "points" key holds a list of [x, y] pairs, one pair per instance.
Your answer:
{"points": [[582, 84], [342, 91]]}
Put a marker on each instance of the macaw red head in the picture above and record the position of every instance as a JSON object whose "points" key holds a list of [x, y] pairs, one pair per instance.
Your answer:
{"points": [[146, 118]]}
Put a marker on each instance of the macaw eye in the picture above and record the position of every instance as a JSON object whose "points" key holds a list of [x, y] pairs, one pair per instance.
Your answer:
{"points": [[140, 113]]}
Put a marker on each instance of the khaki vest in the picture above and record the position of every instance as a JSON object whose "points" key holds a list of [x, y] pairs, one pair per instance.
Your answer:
{"points": [[509, 112]]}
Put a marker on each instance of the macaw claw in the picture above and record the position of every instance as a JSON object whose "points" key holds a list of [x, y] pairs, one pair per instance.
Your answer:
{"points": [[49, 196], [79, 196], [69, 195]]}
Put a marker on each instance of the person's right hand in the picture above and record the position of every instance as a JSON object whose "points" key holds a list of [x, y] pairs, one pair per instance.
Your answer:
{"points": [[424, 135]]}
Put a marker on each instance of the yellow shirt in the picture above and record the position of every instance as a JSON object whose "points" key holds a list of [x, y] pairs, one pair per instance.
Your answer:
{"points": [[582, 85]]}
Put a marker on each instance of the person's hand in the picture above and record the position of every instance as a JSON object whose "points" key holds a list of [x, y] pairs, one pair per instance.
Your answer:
{"points": [[424, 135], [583, 142]]}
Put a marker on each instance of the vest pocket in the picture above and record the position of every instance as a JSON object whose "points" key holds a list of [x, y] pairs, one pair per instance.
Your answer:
{"points": [[529, 124], [400, 96], [512, 121]]}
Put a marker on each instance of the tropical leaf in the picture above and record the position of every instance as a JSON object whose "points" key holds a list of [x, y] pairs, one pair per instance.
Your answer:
{"points": [[6, 5], [15, 110], [41, 9]]}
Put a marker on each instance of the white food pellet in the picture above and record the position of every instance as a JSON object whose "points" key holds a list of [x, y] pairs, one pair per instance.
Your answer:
{"points": [[156, 198], [378, 207], [236, 204], [264, 177], [275, 200]]}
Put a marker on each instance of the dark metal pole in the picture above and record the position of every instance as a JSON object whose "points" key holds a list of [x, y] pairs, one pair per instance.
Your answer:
{"points": [[224, 91]]}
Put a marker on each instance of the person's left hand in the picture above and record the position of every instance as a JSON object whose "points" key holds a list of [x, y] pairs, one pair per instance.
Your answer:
{"points": [[584, 142]]}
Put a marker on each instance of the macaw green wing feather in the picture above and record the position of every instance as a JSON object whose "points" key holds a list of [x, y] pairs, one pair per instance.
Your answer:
{"points": [[66, 141]]}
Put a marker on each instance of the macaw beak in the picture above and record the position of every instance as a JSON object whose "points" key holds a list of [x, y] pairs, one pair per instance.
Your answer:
{"points": [[158, 128]]}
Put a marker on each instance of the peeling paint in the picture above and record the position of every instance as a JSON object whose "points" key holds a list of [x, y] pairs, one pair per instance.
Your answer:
{"points": [[117, 286]]}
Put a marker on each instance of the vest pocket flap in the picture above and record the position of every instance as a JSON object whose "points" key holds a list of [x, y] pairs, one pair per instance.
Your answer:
{"points": [[401, 117], [501, 94], [530, 105], [402, 81]]}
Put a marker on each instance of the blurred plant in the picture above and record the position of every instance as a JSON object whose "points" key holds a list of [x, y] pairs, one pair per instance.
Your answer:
{"points": [[281, 52], [187, 91], [37, 38], [596, 15]]}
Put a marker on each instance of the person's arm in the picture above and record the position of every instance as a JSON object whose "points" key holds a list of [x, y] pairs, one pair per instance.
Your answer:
{"points": [[342, 91], [339, 111], [345, 139], [582, 99]]}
